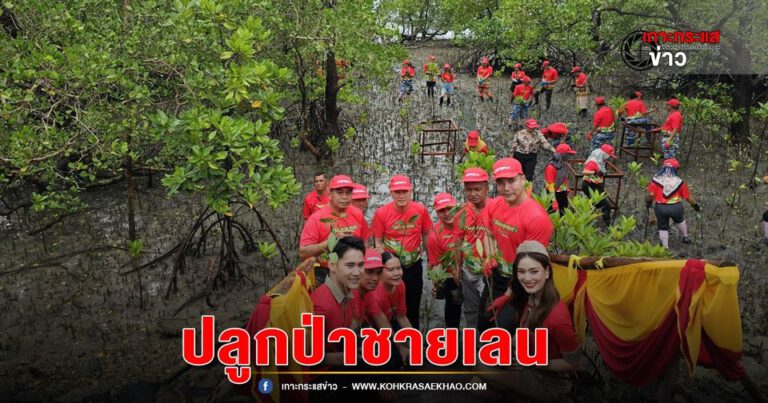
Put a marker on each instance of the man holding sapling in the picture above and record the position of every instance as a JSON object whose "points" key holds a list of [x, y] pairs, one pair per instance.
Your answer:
{"points": [[442, 245], [400, 227], [339, 217]]}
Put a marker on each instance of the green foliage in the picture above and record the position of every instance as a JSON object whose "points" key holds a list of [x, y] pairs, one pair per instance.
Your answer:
{"points": [[135, 247], [268, 249], [616, 102], [350, 133], [415, 148], [333, 144], [476, 160], [438, 275]]}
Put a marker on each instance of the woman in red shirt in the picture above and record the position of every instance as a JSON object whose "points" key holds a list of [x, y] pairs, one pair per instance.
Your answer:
{"points": [[537, 305], [517, 78], [594, 177], [668, 191], [447, 77], [484, 73], [385, 306], [406, 74]]}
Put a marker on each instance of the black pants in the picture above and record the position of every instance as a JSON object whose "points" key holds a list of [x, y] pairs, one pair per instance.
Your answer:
{"points": [[603, 205], [431, 89], [528, 161], [412, 276], [562, 202], [547, 96], [452, 307], [666, 211]]}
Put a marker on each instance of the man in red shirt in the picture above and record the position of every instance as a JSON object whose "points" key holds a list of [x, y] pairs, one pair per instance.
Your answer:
{"points": [[509, 219], [339, 216], [517, 77], [360, 197], [475, 143], [636, 115], [670, 130], [369, 280], [602, 124], [400, 227], [549, 78], [582, 90], [442, 246], [318, 198], [521, 100], [484, 73]]}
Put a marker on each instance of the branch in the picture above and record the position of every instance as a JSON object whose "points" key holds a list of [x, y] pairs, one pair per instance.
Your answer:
{"points": [[633, 14]]}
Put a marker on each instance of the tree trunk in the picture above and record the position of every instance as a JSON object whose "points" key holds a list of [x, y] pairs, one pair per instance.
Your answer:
{"points": [[742, 84], [741, 102], [331, 91]]}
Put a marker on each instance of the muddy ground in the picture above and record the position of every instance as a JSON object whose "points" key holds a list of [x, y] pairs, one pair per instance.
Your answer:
{"points": [[76, 327]]}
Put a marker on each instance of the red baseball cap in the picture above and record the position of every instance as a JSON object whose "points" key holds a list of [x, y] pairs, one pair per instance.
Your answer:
{"points": [[373, 259], [400, 182], [359, 192], [608, 149], [526, 79], [475, 175], [531, 124], [507, 168], [673, 102], [564, 149], [671, 162], [518, 65], [545, 64], [558, 128], [341, 181], [599, 101], [444, 200], [472, 137], [575, 69]]}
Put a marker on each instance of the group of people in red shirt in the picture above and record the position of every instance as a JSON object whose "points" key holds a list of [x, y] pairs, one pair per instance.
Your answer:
{"points": [[431, 73]]}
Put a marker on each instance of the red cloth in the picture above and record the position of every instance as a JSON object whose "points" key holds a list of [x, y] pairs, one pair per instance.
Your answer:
{"points": [[407, 72], [592, 166], [447, 77], [315, 231], [522, 90], [561, 334], [314, 202], [633, 107], [603, 117], [511, 226], [674, 121], [387, 303], [442, 240], [581, 80], [681, 194], [386, 226], [550, 177], [549, 75], [485, 72]]}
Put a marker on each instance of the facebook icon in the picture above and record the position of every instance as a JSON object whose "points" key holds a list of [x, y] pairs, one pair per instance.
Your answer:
{"points": [[265, 386]]}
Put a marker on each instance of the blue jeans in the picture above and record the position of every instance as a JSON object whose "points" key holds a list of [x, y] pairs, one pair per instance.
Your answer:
{"points": [[447, 89], [600, 138], [406, 87], [519, 111], [639, 122], [670, 152]]}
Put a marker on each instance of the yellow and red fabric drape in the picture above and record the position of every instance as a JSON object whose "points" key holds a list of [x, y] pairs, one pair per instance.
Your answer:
{"points": [[642, 315]]}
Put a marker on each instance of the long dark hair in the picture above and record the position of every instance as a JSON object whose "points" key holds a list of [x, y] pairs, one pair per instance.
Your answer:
{"points": [[387, 256], [549, 295]]}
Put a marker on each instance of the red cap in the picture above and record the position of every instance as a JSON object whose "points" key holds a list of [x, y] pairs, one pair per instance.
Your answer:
{"points": [[558, 128], [431, 57], [526, 79], [564, 149], [475, 175], [599, 101], [507, 168], [671, 162], [608, 149], [518, 65], [531, 124], [575, 69], [545, 64], [341, 181], [372, 259], [544, 130], [443, 200], [400, 182], [359, 192], [472, 137], [447, 66], [673, 102], [639, 93], [484, 60]]}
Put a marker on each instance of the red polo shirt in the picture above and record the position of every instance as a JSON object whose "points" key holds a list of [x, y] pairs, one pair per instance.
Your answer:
{"points": [[473, 230], [447, 77], [340, 310], [398, 233], [522, 90], [387, 303], [635, 108], [510, 226], [603, 117], [314, 202], [407, 72], [581, 80], [442, 240], [316, 231], [561, 335], [549, 75], [674, 121], [485, 72]]}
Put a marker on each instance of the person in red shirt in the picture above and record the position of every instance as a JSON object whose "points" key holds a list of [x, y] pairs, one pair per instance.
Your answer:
{"points": [[475, 143], [447, 77], [636, 115], [521, 100], [400, 227], [338, 217], [431, 70], [317, 198], [510, 219], [558, 133], [594, 174], [582, 90], [336, 299], [537, 303], [549, 78], [668, 191], [484, 73], [670, 130], [556, 176], [517, 78], [360, 197], [369, 280], [387, 304], [442, 246], [407, 73], [602, 124]]}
